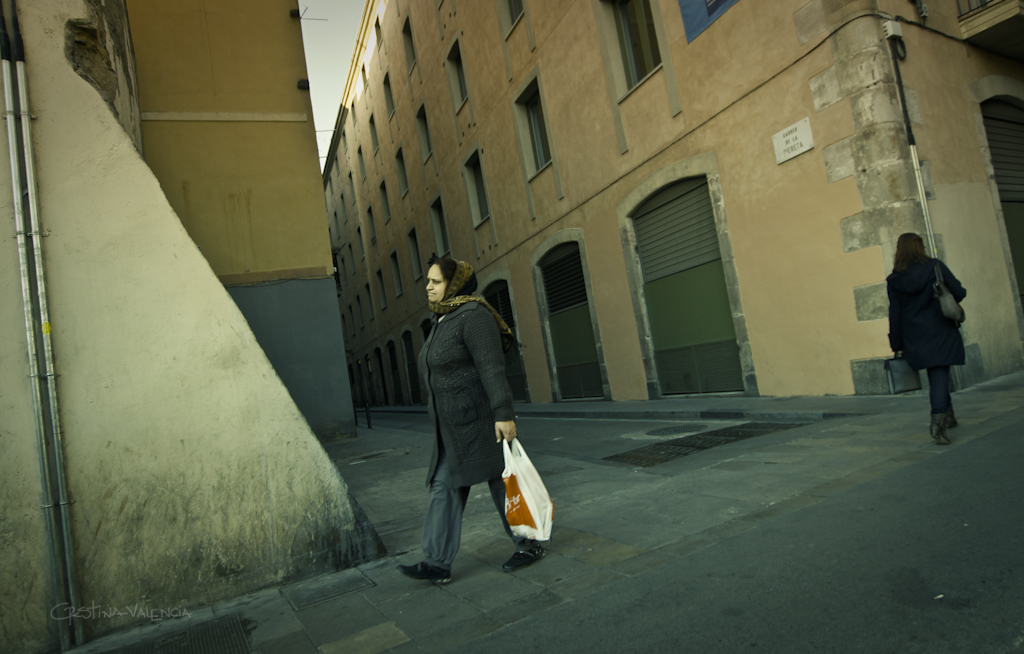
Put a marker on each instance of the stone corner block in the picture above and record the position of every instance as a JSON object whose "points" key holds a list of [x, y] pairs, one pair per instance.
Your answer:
{"points": [[810, 21], [825, 90], [872, 302], [839, 162]]}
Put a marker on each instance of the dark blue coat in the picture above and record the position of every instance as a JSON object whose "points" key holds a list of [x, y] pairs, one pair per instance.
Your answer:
{"points": [[916, 323]]}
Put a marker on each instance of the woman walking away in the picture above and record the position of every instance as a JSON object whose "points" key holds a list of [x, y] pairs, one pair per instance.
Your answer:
{"points": [[918, 329], [470, 404]]}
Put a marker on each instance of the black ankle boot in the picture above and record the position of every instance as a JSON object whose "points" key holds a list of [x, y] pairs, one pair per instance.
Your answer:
{"points": [[938, 428], [950, 418]]}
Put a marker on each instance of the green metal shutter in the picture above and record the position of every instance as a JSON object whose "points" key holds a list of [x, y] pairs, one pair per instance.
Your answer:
{"points": [[412, 370], [497, 296], [675, 230], [678, 245], [1004, 125], [577, 368]]}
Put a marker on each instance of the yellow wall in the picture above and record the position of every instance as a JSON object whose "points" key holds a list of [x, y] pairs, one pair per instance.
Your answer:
{"points": [[244, 179]]}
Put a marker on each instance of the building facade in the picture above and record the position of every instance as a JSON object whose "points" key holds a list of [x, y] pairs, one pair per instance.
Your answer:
{"points": [[228, 130], [677, 196]]}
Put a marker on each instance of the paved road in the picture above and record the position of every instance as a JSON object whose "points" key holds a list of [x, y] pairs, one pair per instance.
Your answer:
{"points": [[929, 559]]}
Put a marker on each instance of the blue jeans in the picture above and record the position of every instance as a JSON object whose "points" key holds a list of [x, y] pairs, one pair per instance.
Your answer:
{"points": [[938, 391]]}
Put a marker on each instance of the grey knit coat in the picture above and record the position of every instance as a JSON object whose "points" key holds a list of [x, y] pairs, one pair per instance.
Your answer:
{"points": [[467, 393]]}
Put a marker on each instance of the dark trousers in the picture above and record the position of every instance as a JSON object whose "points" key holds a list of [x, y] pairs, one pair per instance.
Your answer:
{"points": [[442, 528], [938, 391]]}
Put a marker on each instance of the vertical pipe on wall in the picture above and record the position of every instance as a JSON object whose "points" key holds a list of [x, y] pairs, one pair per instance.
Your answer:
{"points": [[22, 233], [69, 572]]}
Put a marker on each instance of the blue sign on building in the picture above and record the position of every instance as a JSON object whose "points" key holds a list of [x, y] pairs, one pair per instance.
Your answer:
{"points": [[698, 14]]}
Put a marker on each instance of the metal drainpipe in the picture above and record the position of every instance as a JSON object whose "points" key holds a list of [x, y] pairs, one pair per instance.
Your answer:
{"points": [[52, 445], [913, 147]]}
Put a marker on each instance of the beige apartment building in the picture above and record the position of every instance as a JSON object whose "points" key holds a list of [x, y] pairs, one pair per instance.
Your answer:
{"points": [[678, 196]]}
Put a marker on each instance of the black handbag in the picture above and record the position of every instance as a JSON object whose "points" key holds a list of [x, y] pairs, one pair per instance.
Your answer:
{"points": [[950, 307], [902, 377]]}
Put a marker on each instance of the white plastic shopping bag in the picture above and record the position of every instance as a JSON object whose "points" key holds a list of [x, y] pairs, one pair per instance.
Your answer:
{"points": [[528, 507]]}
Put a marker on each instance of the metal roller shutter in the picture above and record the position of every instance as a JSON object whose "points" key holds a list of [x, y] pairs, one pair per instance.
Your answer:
{"points": [[497, 296], [412, 370], [564, 283], [1004, 125], [675, 230]]}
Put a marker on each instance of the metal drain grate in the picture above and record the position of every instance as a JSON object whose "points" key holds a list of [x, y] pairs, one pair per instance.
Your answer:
{"points": [[676, 429], [652, 455], [226, 635], [320, 590]]}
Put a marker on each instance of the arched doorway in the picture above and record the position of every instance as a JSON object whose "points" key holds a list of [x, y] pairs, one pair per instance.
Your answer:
{"points": [[573, 345], [396, 379], [379, 377], [1004, 127], [497, 296], [695, 349], [411, 368]]}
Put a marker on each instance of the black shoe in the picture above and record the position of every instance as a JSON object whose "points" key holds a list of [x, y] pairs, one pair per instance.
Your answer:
{"points": [[523, 559], [426, 572]]}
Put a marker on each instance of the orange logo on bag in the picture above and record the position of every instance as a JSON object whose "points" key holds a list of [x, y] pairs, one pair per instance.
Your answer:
{"points": [[516, 511]]}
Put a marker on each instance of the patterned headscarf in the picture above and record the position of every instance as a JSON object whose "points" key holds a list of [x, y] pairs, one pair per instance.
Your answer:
{"points": [[454, 298]]}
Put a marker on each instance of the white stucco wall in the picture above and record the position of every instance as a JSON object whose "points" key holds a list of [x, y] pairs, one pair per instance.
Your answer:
{"points": [[194, 476]]}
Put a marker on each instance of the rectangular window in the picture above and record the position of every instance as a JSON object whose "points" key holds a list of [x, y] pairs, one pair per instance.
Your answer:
{"points": [[344, 209], [343, 271], [351, 255], [351, 317], [515, 8], [359, 310], [344, 140], [414, 255], [366, 82], [351, 188], [362, 246], [396, 274], [638, 42], [475, 189], [369, 301], [440, 228], [385, 205], [354, 119], [362, 164], [403, 177], [457, 76], [378, 33], [373, 135], [371, 227], [382, 296], [389, 98], [423, 131], [410, 47], [537, 135]]}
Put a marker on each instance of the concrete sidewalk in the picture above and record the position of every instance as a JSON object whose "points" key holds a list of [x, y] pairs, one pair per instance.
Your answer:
{"points": [[613, 521]]}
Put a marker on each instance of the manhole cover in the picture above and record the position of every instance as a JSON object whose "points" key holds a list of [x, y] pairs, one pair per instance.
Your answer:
{"points": [[226, 635], [652, 455], [676, 429], [320, 590]]}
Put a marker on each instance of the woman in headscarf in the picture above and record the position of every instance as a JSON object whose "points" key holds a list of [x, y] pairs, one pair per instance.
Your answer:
{"points": [[470, 404], [918, 329]]}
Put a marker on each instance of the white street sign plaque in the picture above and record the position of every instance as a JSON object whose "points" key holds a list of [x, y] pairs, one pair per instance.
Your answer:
{"points": [[795, 139]]}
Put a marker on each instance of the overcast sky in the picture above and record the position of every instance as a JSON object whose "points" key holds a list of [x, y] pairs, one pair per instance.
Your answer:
{"points": [[329, 43]]}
